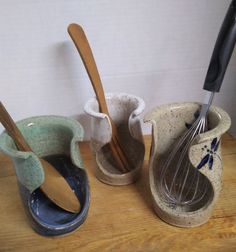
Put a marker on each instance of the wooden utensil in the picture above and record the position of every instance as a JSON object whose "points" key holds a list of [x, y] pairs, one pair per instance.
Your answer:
{"points": [[54, 186], [79, 38]]}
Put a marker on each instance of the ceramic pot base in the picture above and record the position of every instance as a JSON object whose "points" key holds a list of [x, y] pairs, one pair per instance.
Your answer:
{"points": [[48, 218]]}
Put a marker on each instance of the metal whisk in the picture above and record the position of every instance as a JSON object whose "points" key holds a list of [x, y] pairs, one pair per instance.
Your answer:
{"points": [[180, 183]]}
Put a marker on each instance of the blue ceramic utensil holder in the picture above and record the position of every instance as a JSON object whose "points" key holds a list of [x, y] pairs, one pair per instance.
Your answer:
{"points": [[54, 138]]}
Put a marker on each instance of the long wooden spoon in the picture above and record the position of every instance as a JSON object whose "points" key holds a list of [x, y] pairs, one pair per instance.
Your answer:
{"points": [[54, 186], [79, 38]]}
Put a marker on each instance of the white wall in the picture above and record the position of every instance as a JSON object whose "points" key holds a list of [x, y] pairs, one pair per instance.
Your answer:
{"points": [[156, 49]]}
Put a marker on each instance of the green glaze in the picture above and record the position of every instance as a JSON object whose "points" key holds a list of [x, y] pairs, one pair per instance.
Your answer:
{"points": [[46, 135]]}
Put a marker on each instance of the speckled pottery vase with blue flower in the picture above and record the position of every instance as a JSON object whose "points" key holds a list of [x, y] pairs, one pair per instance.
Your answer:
{"points": [[54, 138], [169, 122], [124, 110]]}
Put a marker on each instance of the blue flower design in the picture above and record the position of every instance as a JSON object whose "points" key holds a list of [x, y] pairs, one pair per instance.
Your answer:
{"points": [[211, 153]]}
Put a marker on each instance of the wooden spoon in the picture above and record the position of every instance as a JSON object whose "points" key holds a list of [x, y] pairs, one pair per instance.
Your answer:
{"points": [[54, 186], [79, 38]]}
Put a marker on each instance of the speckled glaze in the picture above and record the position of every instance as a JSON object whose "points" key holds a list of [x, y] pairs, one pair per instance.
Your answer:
{"points": [[48, 135], [168, 124], [124, 110]]}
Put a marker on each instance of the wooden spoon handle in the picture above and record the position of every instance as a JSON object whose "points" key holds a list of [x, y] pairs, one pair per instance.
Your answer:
{"points": [[80, 40], [13, 130]]}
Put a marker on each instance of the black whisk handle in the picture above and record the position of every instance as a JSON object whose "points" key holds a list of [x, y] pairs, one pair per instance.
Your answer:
{"points": [[222, 52]]}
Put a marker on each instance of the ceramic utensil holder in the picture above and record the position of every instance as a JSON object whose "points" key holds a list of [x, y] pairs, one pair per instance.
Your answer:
{"points": [[168, 124], [124, 110], [49, 135]]}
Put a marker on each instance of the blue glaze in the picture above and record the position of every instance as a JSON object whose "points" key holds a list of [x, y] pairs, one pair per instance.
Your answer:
{"points": [[211, 153], [46, 217]]}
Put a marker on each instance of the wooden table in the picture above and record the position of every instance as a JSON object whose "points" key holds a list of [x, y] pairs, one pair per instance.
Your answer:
{"points": [[122, 218]]}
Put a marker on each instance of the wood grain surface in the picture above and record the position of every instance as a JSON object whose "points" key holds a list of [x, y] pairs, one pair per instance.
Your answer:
{"points": [[122, 218]]}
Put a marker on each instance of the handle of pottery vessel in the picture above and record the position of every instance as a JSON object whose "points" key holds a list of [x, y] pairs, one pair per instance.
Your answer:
{"points": [[75, 152], [12, 129], [222, 52], [79, 38]]}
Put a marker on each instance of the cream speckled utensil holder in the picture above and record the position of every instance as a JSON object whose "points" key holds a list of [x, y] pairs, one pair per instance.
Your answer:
{"points": [[168, 124], [124, 110]]}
